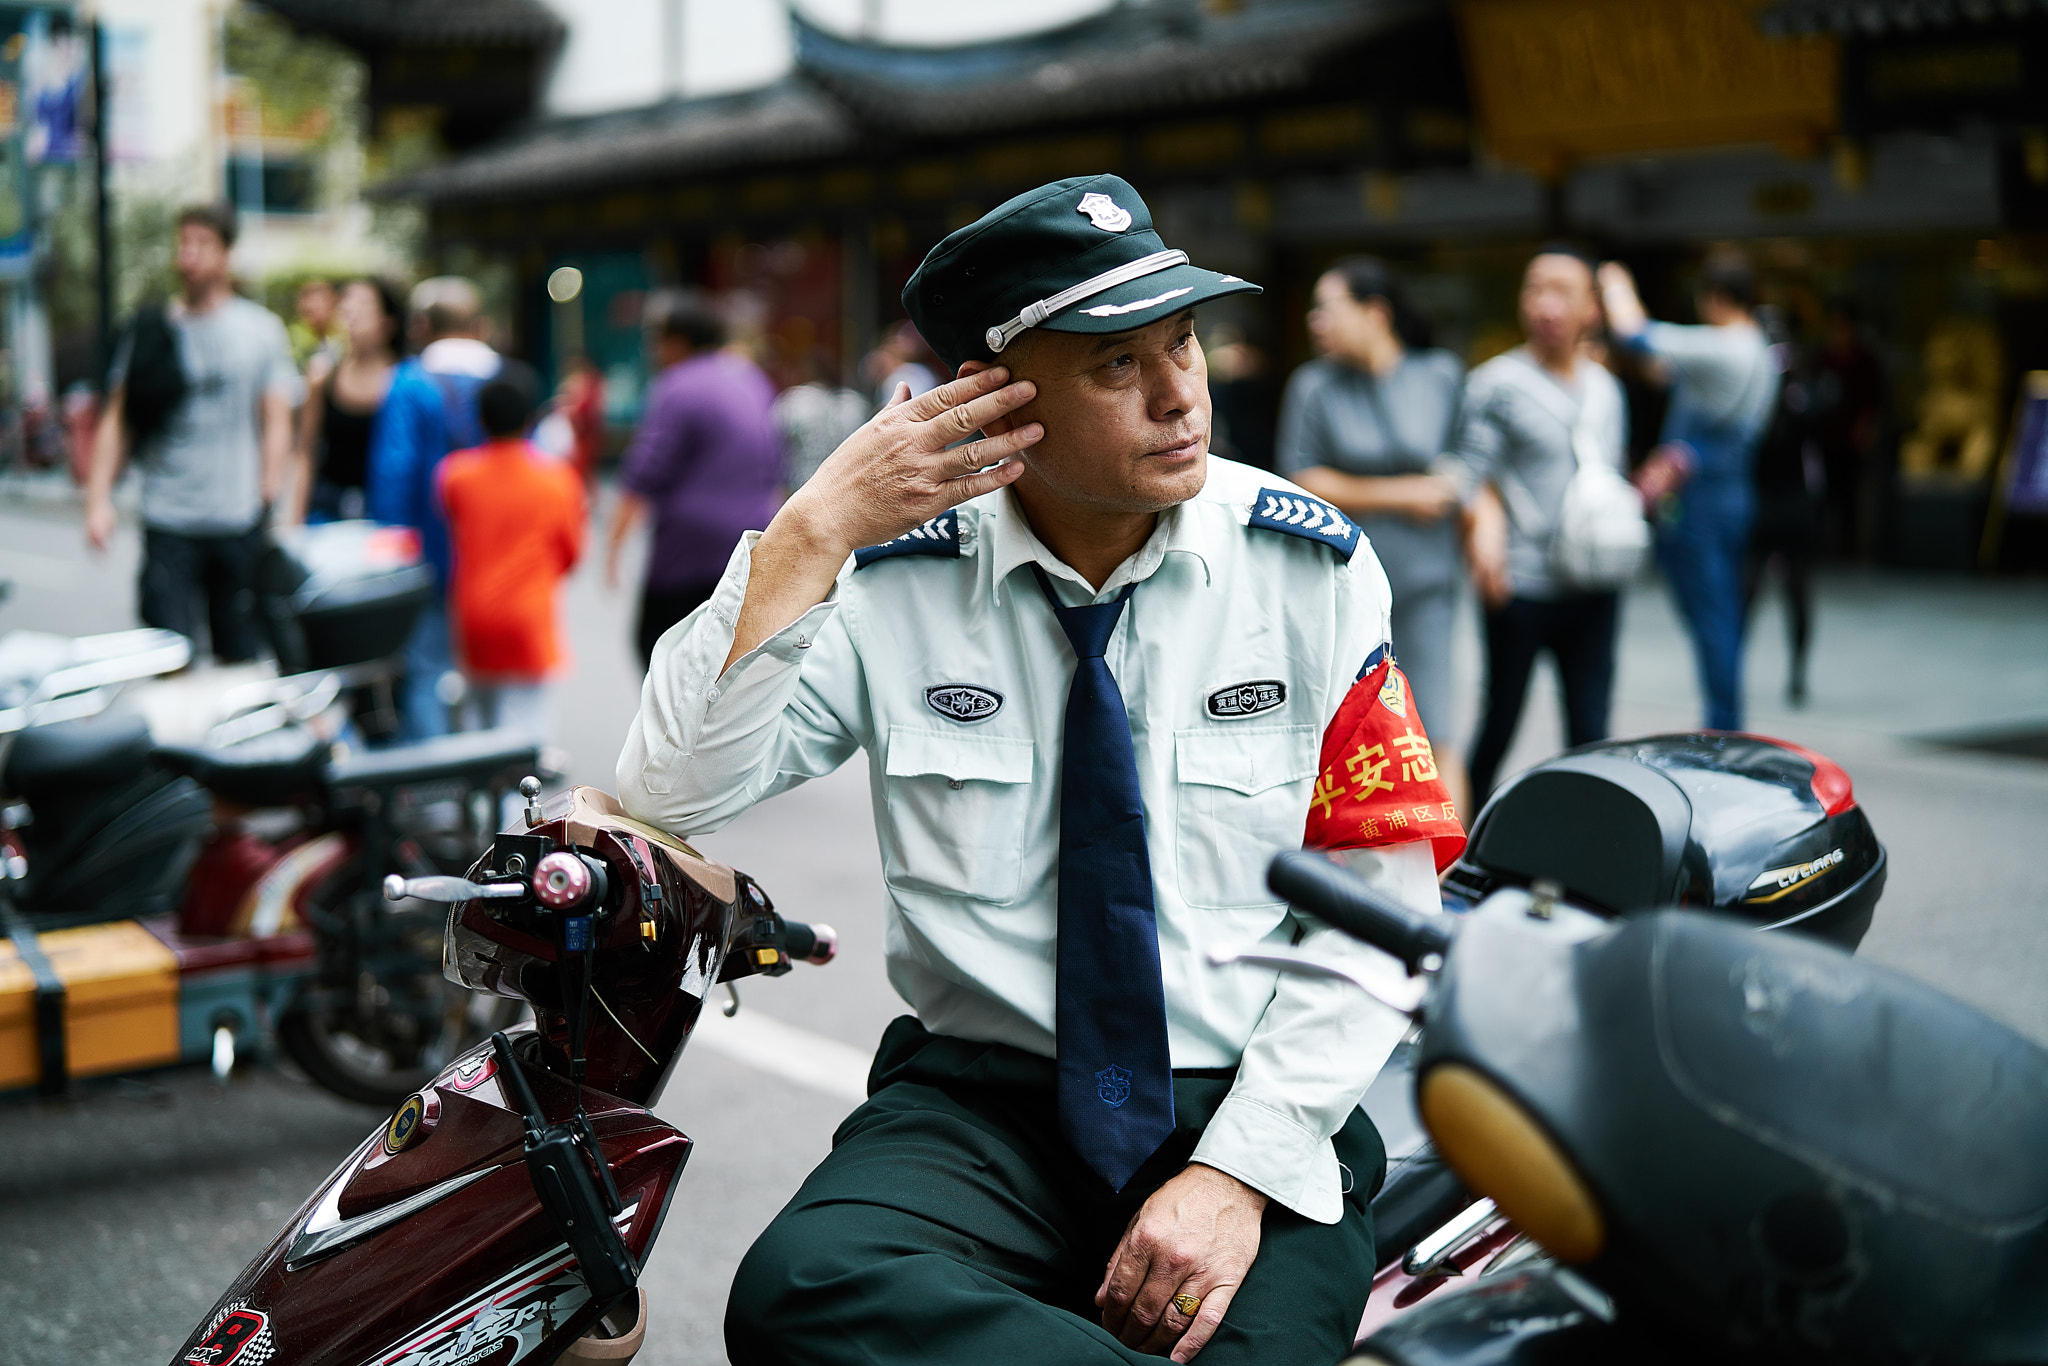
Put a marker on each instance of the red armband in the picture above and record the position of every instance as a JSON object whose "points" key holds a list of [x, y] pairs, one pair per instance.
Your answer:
{"points": [[1378, 782]]}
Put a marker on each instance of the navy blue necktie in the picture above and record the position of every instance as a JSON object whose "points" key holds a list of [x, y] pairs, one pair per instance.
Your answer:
{"points": [[1115, 1077]]}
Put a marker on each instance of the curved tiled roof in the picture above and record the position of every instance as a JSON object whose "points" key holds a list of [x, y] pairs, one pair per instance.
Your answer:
{"points": [[784, 122], [375, 22], [1128, 61]]}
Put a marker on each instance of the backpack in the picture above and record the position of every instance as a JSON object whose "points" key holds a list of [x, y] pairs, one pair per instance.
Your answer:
{"points": [[1600, 537], [155, 382]]}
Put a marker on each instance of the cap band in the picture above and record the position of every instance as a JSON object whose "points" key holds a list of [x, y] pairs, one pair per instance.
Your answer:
{"points": [[1034, 314]]}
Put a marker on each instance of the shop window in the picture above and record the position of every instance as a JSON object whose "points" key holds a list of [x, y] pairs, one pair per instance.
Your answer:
{"points": [[272, 185]]}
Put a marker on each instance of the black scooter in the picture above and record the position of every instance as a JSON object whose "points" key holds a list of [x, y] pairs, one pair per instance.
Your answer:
{"points": [[1724, 1143]]}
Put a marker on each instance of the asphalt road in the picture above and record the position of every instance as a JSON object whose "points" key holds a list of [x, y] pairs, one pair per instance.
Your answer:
{"points": [[124, 1212]]}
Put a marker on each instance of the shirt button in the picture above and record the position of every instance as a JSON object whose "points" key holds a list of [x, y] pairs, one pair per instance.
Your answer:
{"points": [[955, 784], [711, 693], [803, 642]]}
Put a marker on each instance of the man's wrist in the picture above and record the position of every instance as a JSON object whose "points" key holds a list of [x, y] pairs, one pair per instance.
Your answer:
{"points": [[1216, 1175], [804, 528]]}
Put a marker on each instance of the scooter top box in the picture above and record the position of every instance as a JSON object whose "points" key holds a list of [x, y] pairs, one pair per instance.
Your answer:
{"points": [[120, 1002]]}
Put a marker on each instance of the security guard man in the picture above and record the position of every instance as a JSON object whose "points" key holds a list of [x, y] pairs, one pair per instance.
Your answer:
{"points": [[1100, 678]]}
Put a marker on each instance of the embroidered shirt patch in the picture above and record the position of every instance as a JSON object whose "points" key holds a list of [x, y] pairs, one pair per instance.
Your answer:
{"points": [[963, 702], [1247, 699], [940, 536], [1292, 513]]}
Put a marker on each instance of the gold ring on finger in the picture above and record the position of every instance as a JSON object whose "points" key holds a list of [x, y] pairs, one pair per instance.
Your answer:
{"points": [[1187, 1304]]}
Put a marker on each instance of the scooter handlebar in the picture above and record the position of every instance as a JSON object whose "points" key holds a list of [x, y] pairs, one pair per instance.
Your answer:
{"points": [[1323, 889], [810, 943]]}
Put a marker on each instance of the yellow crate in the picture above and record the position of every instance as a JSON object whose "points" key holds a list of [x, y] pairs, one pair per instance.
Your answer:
{"points": [[120, 1002]]}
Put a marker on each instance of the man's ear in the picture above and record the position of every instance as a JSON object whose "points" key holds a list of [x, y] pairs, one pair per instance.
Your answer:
{"points": [[999, 425]]}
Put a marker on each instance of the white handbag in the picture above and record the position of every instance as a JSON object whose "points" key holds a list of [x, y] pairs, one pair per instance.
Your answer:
{"points": [[1600, 537]]}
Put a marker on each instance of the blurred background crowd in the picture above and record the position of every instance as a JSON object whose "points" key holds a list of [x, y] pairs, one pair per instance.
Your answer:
{"points": [[690, 222]]}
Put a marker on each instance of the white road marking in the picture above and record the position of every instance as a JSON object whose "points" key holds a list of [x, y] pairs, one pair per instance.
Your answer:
{"points": [[792, 1053]]}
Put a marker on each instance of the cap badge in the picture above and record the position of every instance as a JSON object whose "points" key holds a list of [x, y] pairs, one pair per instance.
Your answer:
{"points": [[1103, 212]]}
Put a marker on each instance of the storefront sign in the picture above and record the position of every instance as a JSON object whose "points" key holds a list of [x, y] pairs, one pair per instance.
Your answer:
{"points": [[1557, 81]]}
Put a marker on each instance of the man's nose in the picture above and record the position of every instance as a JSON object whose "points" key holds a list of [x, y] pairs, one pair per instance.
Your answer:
{"points": [[1177, 389]]}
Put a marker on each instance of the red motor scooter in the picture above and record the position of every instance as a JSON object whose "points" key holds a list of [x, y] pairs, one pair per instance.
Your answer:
{"points": [[503, 1213]]}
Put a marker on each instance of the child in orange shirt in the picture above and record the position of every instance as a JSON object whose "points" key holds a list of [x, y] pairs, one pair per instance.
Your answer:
{"points": [[515, 527]]}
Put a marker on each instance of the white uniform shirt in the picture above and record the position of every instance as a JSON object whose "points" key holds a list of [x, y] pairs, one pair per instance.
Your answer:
{"points": [[967, 811]]}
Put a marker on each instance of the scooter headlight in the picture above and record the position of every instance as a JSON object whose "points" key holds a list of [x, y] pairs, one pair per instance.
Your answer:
{"points": [[1499, 1150]]}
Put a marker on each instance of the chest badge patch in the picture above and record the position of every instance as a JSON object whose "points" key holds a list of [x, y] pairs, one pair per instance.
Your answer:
{"points": [[1247, 699], [963, 702]]}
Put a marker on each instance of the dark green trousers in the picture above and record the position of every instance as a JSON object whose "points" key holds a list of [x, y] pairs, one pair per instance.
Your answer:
{"points": [[952, 1224]]}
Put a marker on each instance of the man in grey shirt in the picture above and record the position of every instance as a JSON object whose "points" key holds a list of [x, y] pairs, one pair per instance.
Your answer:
{"points": [[217, 458], [1514, 456]]}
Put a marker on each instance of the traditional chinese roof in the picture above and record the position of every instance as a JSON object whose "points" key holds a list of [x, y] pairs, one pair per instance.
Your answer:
{"points": [[375, 23], [788, 121], [1127, 59], [1131, 60], [1858, 18]]}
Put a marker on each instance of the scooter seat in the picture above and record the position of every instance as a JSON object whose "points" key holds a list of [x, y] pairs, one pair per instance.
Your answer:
{"points": [[477, 756], [270, 770], [68, 758]]}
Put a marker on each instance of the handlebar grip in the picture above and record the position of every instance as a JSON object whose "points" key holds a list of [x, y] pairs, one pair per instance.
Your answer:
{"points": [[1323, 889], [809, 943]]}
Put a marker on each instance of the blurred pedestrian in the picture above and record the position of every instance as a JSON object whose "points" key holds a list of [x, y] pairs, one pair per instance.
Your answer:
{"points": [[1698, 480], [430, 410], [901, 358], [314, 332], [515, 523], [1364, 426], [333, 451], [1848, 398], [201, 392], [1516, 451], [706, 463], [1787, 535], [814, 416], [580, 401]]}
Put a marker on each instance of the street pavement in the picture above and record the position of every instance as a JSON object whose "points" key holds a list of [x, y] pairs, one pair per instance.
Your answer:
{"points": [[127, 1210]]}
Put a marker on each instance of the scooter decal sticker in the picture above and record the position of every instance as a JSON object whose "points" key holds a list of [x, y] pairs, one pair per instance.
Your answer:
{"points": [[507, 1320], [238, 1336], [1773, 883]]}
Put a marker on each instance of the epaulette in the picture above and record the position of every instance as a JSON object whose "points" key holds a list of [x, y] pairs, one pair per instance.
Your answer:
{"points": [[1293, 513], [940, 536]]}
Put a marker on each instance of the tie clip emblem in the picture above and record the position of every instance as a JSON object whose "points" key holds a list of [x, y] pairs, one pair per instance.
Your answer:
{"points": [[1247, 699], [963, 702], [1113, 1086]]}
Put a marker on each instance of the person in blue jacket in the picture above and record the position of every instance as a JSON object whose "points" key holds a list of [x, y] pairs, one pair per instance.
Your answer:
{"points": [[430, 411], [1724, 381]]}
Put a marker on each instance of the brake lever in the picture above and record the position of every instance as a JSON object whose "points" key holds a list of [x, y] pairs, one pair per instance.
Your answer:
{"points": [[452, 890]]}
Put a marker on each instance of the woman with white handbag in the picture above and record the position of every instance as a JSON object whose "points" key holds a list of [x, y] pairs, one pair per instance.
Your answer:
{"points": [[1553, 527]]}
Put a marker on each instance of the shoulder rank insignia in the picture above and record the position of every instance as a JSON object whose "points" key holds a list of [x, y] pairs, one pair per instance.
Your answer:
{"points": [[1292, 513], [940, 536]]}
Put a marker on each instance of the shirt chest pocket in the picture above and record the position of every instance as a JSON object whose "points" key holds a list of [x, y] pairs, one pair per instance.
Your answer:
{"points": [[955, 812], [1242, 800]]}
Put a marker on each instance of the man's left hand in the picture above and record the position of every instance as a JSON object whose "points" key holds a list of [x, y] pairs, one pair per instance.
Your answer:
{"points": [[1197, 1235]]}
